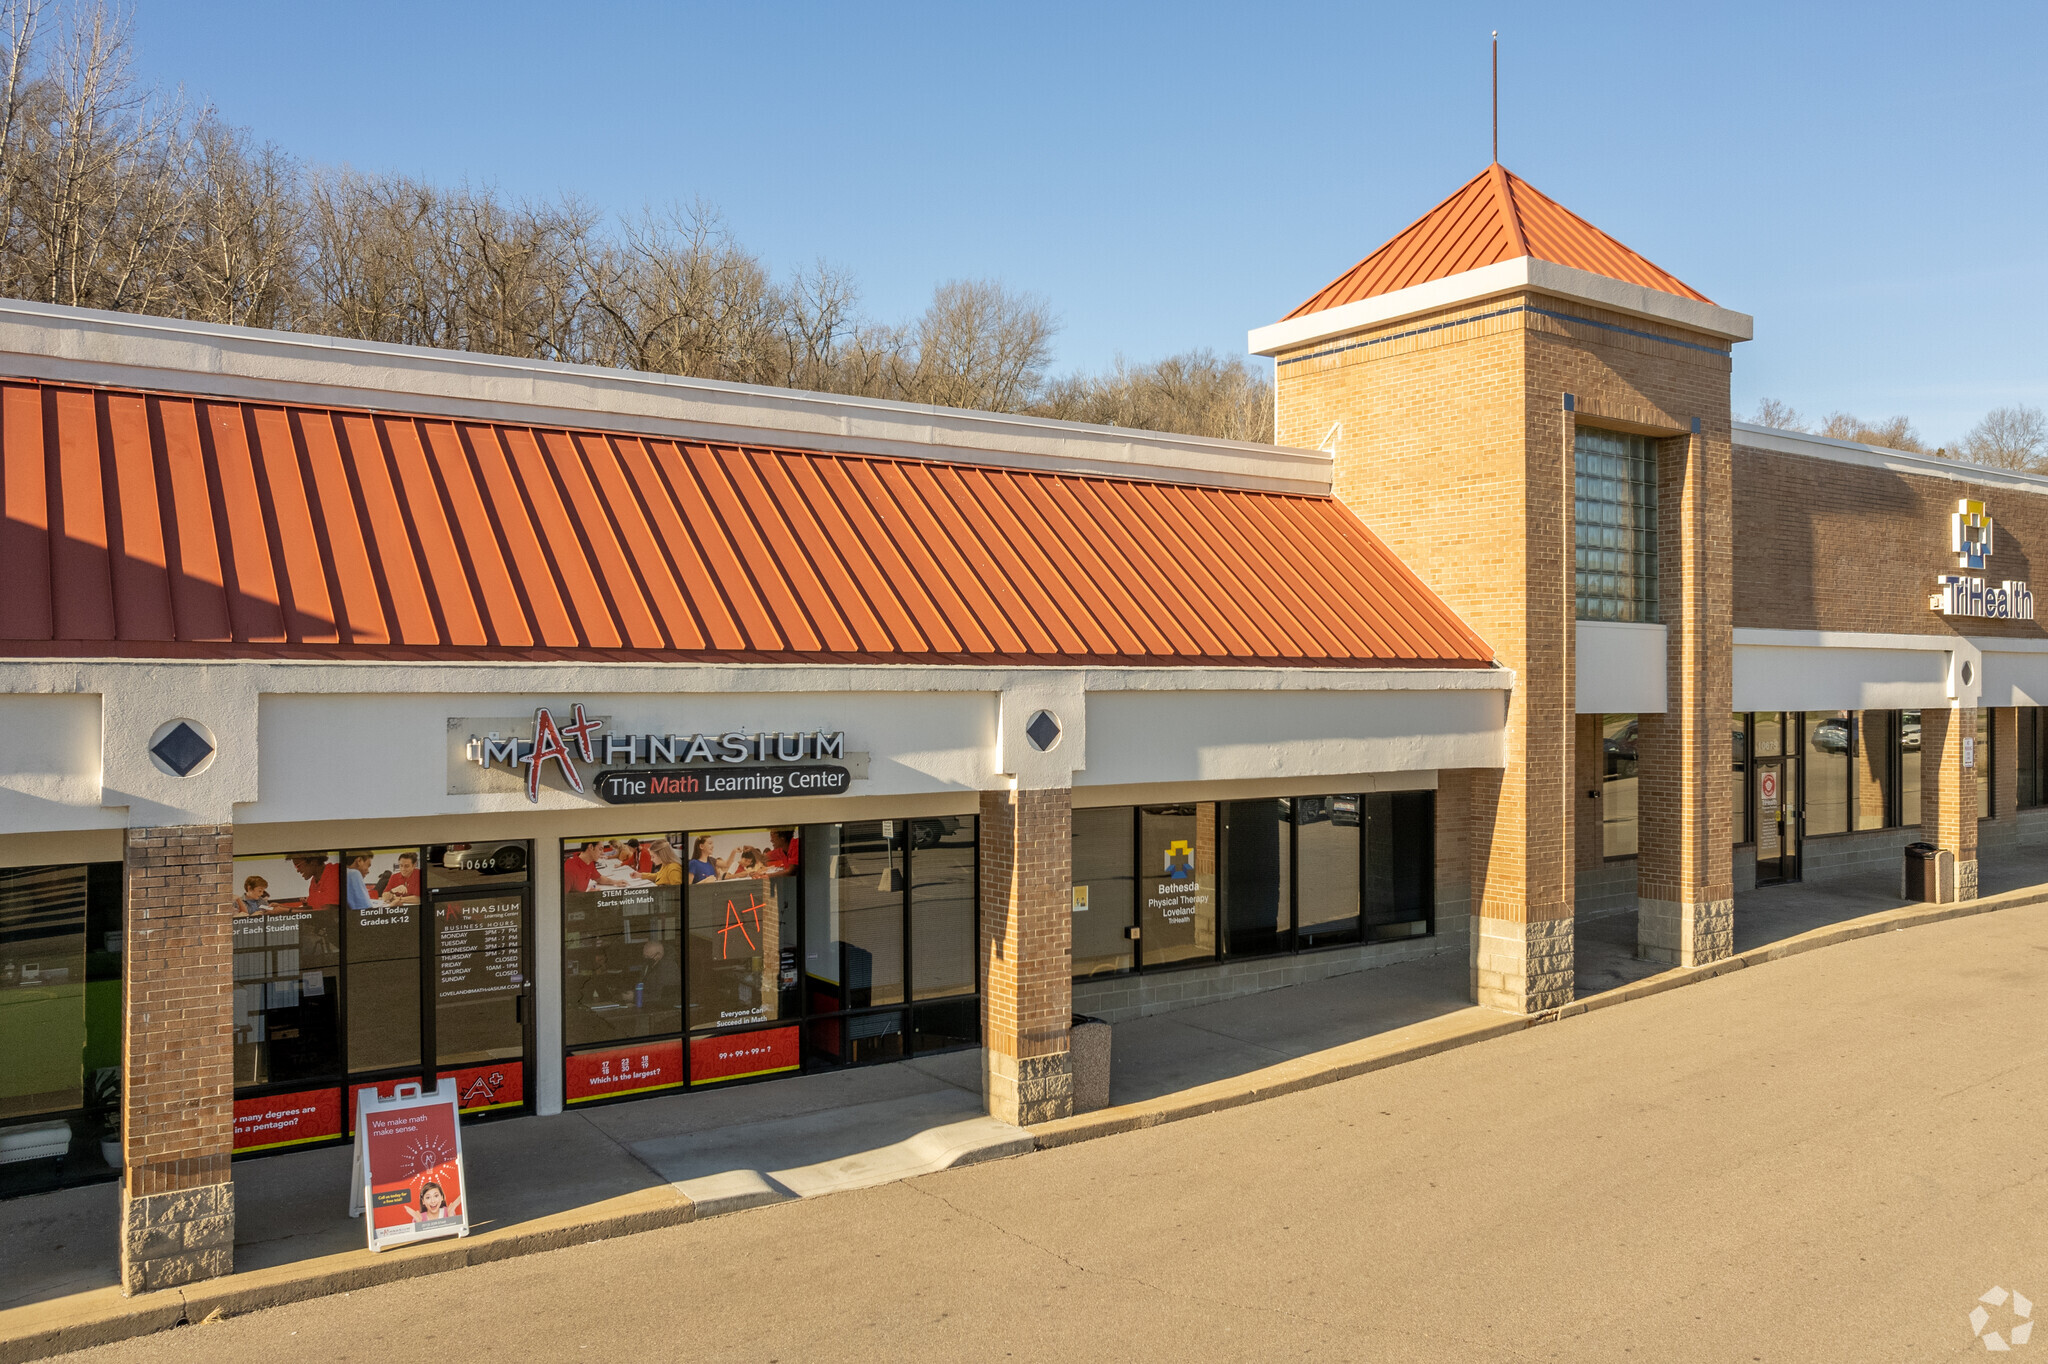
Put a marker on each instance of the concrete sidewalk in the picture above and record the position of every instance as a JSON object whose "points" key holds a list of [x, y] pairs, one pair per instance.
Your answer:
{"points": [[542, 1183]]}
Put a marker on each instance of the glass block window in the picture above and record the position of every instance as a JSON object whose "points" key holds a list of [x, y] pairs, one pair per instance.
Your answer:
{"points": [[1615, 491]]}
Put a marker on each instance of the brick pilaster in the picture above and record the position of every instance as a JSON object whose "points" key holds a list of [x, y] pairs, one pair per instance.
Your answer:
{"points": [[1685, 876], [178, 1090], [1948, 795], [1027, 954]]}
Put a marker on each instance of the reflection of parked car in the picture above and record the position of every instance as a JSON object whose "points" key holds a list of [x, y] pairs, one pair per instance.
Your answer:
{"points": [[929, 833], [1619, 751], [1909, 734], [1832, 735]]}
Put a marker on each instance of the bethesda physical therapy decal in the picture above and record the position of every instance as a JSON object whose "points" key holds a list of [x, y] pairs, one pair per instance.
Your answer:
{"points": [[502, 755], [1958, 595]]}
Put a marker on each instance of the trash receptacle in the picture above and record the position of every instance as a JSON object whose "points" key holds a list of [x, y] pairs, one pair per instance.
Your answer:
{"points": [[1090, 1058], [1922, 878]]}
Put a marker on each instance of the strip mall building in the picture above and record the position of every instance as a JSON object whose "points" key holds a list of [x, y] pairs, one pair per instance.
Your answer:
{"points": [[371, 714]]}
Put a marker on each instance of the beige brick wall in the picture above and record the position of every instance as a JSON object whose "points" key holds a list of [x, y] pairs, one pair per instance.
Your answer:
{"points": [[1453, 442]]}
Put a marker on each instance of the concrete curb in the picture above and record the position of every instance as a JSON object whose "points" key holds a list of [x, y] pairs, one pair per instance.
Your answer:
{"points": [[1429, 1038], [103, 1316]]}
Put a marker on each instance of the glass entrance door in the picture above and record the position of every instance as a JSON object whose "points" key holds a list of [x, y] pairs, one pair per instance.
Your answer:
{"points": [[1778, 833], [480, 996]]}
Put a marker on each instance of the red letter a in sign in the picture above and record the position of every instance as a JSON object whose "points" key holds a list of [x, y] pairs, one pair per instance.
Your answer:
{"points": [[547, 743]]}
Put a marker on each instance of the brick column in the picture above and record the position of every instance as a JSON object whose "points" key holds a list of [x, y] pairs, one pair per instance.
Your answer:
{"points": [[1027, 967], [1948, 794], [1589, 765], [178, 1091], [1685, 875]]}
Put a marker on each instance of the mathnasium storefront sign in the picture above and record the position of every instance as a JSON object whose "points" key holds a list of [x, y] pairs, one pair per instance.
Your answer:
{"points": [[500, 755]]}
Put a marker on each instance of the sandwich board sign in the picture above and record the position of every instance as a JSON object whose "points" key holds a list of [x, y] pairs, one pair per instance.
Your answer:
{"points": [[408, 1166]]}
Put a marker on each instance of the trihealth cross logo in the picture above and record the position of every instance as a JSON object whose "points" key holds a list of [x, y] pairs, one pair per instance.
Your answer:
{"points": [[1969, 534], [2014, 1334], [1180, 861], [1970, 540]]}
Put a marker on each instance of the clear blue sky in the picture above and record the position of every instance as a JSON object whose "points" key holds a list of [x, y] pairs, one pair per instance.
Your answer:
{"points": [[1865, 180]]}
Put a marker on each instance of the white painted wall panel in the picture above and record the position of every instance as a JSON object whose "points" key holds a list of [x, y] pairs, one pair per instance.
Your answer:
{"points": [[50, 764], [1621, 668], [1774, 677], [368, 757], [1237, 736]]}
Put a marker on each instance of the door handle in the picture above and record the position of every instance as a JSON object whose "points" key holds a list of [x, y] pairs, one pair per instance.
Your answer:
{"points": [[519, 1007]]}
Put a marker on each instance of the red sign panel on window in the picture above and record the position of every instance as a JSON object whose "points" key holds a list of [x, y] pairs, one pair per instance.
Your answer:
{"points": [[623, 1070], [740, 1055], [287, 1119], [478, 1088]]}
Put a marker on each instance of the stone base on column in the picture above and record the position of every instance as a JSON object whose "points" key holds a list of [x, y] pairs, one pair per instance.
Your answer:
{"points": [[1027, 1090], [171, 1239], [1966, 879], [1523, 968], [1684, 933]]}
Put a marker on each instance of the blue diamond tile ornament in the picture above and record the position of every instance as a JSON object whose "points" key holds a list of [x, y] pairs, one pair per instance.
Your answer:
{"points": [[1043, 731], [182, 749]]}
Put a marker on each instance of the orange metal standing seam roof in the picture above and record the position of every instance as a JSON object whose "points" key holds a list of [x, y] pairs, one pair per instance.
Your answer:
{"points": [[162, 525], [1495, 216]]}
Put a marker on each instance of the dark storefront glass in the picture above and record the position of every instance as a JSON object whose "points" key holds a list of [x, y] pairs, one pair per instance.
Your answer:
{"points": [[622, 958], [1618, 785], [1326, 864], [1177, 890], [287, 950], [383, 986], [1738, 807], [855, 956], [479, 978], [1909, 767], [942, 894], [1104, 881], [742, 948], [1400, 864], [2032, 761], [1828, 742], [1258, 876], [60, 1022], [1871, 768]]}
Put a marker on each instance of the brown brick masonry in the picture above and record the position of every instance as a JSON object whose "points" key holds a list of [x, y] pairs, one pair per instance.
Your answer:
{"points": [[178, 1091], [1027, 954]]}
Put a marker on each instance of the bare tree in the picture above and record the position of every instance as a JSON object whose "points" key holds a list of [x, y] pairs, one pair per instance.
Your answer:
{"points": [[1895, 433], [1771, 412], [1193, 393], [245, 234], [2013, 437], [977, 345]]}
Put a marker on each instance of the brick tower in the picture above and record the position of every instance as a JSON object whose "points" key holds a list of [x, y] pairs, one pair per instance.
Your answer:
{"points": [[1513, 399]]}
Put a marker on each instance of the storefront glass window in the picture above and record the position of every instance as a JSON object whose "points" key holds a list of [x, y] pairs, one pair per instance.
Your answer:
{"points": [[1176, 861], [1828, 741], [1618, 785], [1400, 864], [1738, 804], [622, 959], [1326, 864], [287, 947], [942, 893], [43, 1004], [855, 957], [1258, 890], [1909, 767], [1103, 879], [1615, 535], [742, 930], [1769, 733], [2032, 769], [1871, 768], [382, 938]]}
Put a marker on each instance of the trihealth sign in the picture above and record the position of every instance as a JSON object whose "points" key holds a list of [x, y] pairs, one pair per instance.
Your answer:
{"points": [[1970, 540]]}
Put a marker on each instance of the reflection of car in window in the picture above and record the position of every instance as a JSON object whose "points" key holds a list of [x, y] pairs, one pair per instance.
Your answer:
{"points": [[1909, 734], [1832, 735], [1619, 751], [929, 833]]}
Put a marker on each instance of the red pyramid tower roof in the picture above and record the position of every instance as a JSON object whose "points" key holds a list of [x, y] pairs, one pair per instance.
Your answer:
{"points": [[1495, 216]]}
